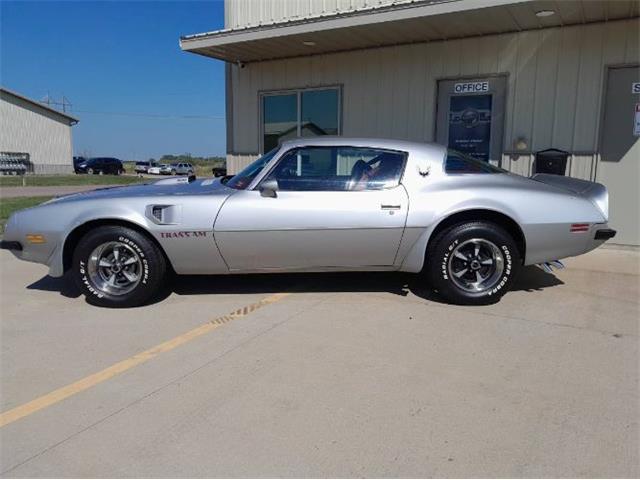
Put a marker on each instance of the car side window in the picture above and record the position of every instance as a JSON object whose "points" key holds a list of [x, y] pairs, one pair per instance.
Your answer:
{"points": [[457, 162], [338, 169]]}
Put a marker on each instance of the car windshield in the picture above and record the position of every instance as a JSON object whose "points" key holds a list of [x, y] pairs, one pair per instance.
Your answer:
{"points": [[242, 180]]}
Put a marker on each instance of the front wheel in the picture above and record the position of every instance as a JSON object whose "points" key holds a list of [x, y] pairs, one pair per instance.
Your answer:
{"points": [[473, 263], [118, 267]]}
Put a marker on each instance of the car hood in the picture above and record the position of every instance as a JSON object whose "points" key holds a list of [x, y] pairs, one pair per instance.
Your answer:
{"points": [[161, 188]]}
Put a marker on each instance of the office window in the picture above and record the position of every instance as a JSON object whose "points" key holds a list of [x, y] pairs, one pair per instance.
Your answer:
{"points": [[299, 113]]}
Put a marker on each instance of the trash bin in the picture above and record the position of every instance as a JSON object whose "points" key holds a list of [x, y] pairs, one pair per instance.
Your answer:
{"points": [[552, 161]]}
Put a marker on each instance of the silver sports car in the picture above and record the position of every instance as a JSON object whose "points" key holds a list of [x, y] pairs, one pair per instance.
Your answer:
{"points": [[319, 204]]}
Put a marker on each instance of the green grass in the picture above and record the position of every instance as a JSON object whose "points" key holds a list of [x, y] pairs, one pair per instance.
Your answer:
{"points": [[10, 205], [64, 180]]}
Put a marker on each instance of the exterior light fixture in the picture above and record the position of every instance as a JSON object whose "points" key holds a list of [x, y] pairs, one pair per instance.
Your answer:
{"points": [[545, 13], [309, 43]]}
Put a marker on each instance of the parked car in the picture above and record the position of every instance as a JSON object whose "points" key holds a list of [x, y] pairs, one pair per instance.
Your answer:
{"points": [[316, 204], [219, 172], [101, 165], [77, 161], [159, 169], [143, 167], [182, 169]]}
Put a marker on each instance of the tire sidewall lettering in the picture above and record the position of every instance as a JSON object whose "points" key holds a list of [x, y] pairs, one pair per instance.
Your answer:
{"points": [[508, 267], [82, 268]]}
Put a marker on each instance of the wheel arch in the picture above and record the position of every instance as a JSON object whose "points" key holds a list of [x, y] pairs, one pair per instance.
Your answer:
{"points": [[78, 232], [482, 214]]}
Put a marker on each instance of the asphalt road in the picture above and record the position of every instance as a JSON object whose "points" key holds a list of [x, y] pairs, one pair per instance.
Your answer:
{"points": [[324, 375]]}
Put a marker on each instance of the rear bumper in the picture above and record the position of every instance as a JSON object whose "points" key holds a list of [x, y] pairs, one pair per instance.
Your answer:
{"points": [[8, 245], [604, 234]]}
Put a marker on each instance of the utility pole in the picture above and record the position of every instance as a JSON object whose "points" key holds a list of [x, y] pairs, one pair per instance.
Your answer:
{"points": [[64, 103]]}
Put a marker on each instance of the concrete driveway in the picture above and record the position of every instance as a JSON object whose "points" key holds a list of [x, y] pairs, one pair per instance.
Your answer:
{"points": [[324, 375]]}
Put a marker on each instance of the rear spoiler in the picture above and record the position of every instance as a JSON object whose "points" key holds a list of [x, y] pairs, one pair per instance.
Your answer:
{"points": [[596, 193]]}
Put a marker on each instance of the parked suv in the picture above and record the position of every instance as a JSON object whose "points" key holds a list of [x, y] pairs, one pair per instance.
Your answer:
{"points": [[182, 169], [101, 165], [143, 167]]}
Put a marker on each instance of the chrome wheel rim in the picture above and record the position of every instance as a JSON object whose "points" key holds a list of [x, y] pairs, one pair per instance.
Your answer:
{"points": [[114, 268], [476, 265]]}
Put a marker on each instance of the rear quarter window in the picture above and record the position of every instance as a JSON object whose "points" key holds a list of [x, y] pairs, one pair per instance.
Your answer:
{"points": [[457, 162]]}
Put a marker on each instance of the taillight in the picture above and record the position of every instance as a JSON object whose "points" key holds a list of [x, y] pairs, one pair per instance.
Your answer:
{"points": [[579, 227]]}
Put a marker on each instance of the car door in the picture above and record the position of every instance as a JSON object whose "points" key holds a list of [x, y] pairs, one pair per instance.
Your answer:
{"points": [[323, 215]]}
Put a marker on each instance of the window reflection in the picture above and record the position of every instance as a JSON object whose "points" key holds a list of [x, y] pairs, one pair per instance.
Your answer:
{"points": [[319, 113], [305, 113], [280, 119]]}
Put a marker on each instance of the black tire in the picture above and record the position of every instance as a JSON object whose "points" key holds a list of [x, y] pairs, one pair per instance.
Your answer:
{"points": [[150, 267], [89, 171], [454, 277]]}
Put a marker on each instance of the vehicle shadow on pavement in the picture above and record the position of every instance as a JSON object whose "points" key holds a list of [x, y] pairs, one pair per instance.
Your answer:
{"points": [[63, 285], [531, 279]]}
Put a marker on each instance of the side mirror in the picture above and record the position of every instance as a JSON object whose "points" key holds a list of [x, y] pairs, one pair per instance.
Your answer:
{"points": [[268, 188]]}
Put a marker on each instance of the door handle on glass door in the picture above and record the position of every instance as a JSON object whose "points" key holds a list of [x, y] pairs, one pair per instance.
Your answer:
{"points": [[390, 207]]}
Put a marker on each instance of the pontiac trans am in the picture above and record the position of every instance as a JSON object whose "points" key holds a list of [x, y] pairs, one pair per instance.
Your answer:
{"points": [[319, 204]]}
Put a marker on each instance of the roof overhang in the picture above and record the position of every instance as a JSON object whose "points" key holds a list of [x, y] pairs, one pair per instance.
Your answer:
{"points": [[418, 21]]}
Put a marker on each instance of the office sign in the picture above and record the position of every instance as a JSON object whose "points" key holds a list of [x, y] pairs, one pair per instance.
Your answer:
{"points": [[635, 87], [471, 87]]}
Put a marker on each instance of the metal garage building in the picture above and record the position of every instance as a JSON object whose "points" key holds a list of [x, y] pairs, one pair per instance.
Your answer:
{"points": [[35, 134], [500, 79]]}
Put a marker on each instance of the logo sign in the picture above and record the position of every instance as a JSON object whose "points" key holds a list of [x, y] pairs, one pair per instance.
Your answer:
{"points": [[636, 122], [471, 87], [635, 87]]}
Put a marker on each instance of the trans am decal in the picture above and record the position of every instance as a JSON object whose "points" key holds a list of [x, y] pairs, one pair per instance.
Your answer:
{"points": [[183, 234]]}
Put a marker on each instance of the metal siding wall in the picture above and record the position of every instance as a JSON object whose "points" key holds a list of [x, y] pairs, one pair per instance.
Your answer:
{"points": [[554, 87], [47, 141], [251, 13]]}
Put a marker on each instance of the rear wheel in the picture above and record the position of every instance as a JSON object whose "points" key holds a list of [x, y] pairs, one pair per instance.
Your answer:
{"points": [[118, 267], [473, 263]]}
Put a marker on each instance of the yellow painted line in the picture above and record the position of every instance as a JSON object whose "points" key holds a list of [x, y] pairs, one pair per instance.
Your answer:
{"points": [[60, 394]]}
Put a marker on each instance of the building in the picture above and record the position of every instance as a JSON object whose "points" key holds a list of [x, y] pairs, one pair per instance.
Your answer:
{"points": [[35, 134], [501, 79]]}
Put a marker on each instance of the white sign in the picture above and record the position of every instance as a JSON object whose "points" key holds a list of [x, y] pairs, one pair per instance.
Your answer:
{"points": [[636, 122], [635, 87], [471, 87]]}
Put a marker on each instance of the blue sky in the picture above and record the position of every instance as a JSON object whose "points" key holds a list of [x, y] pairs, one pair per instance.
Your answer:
{"points": [[120, 58]]}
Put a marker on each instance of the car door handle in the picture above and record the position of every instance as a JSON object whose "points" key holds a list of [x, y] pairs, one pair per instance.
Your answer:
{"points": [[390, 207]]}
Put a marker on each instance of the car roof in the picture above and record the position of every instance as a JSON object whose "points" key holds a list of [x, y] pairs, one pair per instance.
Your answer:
{"points": [[386, 143]]}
